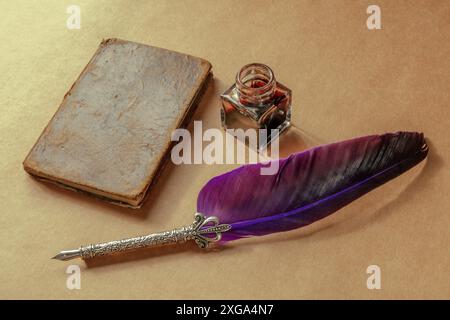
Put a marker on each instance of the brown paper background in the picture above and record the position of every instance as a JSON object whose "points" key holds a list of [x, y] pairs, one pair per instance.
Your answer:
{"points": [[346, 80]]}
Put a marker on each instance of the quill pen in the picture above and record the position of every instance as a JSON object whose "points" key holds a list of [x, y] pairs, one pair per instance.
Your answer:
{"points": [[308, 186]]}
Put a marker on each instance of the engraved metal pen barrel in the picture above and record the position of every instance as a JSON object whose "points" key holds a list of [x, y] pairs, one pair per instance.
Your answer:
{"points": [[203, 231]]}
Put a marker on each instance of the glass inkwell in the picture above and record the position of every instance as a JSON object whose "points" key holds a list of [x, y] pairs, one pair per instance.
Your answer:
{"points": [[257, 101]]}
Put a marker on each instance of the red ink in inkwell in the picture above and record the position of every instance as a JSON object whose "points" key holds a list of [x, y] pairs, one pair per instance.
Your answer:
{"points": [[257, 101]]}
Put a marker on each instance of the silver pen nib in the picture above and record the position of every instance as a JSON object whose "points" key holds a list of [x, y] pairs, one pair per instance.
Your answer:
{"points": [[68, 255], [204, 230]]}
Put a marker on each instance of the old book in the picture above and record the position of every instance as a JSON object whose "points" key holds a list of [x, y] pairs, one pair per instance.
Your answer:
{"points": [[111, 134]]}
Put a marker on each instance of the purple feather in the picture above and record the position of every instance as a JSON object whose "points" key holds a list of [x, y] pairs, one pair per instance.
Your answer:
{"points": [[309, 185]]}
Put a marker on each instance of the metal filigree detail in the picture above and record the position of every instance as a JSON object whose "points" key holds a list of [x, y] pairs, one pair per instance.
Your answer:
{"points": [[208, 226], [203, 231]]}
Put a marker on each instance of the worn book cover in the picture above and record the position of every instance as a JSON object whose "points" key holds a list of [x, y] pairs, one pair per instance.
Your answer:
{"points": [[111, 134]]}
